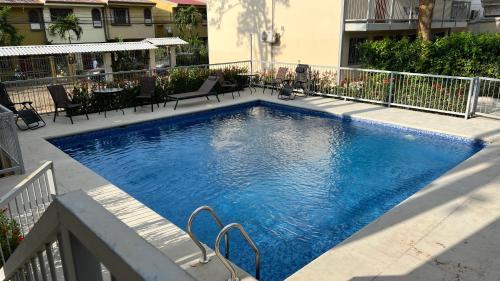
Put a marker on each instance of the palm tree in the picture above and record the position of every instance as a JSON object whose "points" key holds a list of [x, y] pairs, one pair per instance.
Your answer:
{"points": [[64, 25], [187, 21], [425, 9], [8, 33]]}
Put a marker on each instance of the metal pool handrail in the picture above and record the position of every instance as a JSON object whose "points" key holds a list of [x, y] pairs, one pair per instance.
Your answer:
{"points": [[225, 262], [204, 258]]}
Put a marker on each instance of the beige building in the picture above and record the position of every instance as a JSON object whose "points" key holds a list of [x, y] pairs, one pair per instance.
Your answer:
{"points": [[26, 17], [164, 13], [485, 16], [317, 32], [129, 20], [88, 11]]}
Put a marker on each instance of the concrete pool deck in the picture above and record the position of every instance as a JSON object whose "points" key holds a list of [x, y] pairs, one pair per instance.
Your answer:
{"points": [[446, 231]]}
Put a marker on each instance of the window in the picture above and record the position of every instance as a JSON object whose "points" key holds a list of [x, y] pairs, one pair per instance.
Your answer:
{"points": [[59, 13], [147, 16], [120, 16], [354, 54], [96, 18], [35, 20], [460, 10]]}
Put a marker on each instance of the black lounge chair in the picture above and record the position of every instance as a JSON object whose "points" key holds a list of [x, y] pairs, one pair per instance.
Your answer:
{"points": [[302, 78], [61, 100], [32, 120], [227, 85], [147, 93], [278, 80], [207, 89]]}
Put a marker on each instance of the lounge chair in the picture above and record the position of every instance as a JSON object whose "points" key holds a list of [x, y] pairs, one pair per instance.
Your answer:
{"points": [[147, 93], [32, 120], [61, 100], [278, 80], [228, 85], [302, 78], [207, 89]]}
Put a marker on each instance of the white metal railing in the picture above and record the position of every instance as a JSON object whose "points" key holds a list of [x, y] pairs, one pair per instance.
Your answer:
{"points": [[388, 11], [487, 97], [27, 201], [434, 93], [35, 90], [77, 239], [11, 159]]}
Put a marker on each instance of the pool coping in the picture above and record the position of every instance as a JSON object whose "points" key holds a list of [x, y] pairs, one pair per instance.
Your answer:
{"points": [[105, 193]]}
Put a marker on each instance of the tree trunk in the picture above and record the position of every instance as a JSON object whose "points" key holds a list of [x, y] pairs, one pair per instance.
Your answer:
{"points": [[425, 8]]}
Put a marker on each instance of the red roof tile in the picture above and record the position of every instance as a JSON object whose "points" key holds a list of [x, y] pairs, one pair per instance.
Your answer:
{"points": [[22, 2], [189, 2], [131, 2], [77, 1]]}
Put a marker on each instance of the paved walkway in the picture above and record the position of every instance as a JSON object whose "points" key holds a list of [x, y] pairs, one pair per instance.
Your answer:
{"points": [[447, 231]]}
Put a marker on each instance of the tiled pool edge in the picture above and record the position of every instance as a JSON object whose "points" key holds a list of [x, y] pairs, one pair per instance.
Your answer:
{"points": [[197, 109]]}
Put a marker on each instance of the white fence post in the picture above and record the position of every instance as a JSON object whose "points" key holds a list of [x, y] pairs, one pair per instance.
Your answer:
{"points": [[368, 11], [391, 88], [470, 97]]}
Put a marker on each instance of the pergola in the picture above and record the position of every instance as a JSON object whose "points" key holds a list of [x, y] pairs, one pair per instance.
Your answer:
{"points": [[106, 49]]}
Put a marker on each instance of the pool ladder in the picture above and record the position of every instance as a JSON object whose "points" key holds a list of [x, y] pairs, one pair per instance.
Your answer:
{"points": [[223, 233]]}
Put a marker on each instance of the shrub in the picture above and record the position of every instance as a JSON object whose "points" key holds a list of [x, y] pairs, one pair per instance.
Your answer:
{"points": [[10, 235], [174, 81], [459, 54]]}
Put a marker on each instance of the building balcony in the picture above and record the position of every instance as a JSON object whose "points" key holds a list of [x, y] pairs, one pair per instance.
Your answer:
{"points": [[373, 15]]}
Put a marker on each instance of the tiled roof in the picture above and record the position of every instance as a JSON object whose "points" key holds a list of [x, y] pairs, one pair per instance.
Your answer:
{"points": [[103, 2], [131, 2], [22, 2], [12, 51], [189, 2]]}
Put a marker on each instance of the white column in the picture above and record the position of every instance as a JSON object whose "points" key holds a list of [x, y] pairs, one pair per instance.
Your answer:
{"points": [[173, 60], [108, 68], [152, 59]]}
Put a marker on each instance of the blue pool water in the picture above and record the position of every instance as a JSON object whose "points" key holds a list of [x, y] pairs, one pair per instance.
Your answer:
{"points": [[299, 182]]}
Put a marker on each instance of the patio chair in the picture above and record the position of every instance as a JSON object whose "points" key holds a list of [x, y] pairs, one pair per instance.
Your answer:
{"points": [[302, 78], [278, 80], [32, 120], [207, 89], [61, 100], [147, 93], [228, 85]]}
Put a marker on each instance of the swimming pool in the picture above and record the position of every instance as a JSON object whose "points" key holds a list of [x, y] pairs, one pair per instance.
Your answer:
{"points": [[299, 181]]}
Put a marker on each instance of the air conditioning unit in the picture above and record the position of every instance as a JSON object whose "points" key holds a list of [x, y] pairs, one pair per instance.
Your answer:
{"points": [[35, 26], [268, 36]]}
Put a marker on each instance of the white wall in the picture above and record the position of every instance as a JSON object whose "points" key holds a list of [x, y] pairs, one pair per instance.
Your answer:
{"points": [[310, 30]]}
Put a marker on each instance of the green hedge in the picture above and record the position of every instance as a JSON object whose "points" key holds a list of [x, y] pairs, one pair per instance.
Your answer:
{"points": [[459, 54], [177, 80]]}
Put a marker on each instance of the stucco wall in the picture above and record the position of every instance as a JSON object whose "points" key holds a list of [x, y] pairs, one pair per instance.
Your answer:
{"points": [[485, 25], [18, 17], [309, 31], [136, 30], [90, 33]]}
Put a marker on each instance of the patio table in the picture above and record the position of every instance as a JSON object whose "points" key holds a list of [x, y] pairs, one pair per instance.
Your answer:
{"points": [[110, 98], [250, 78]]}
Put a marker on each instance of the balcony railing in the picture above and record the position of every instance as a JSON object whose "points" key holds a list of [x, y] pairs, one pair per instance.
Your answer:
{"points": [[379, 12], [11, 159]]}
